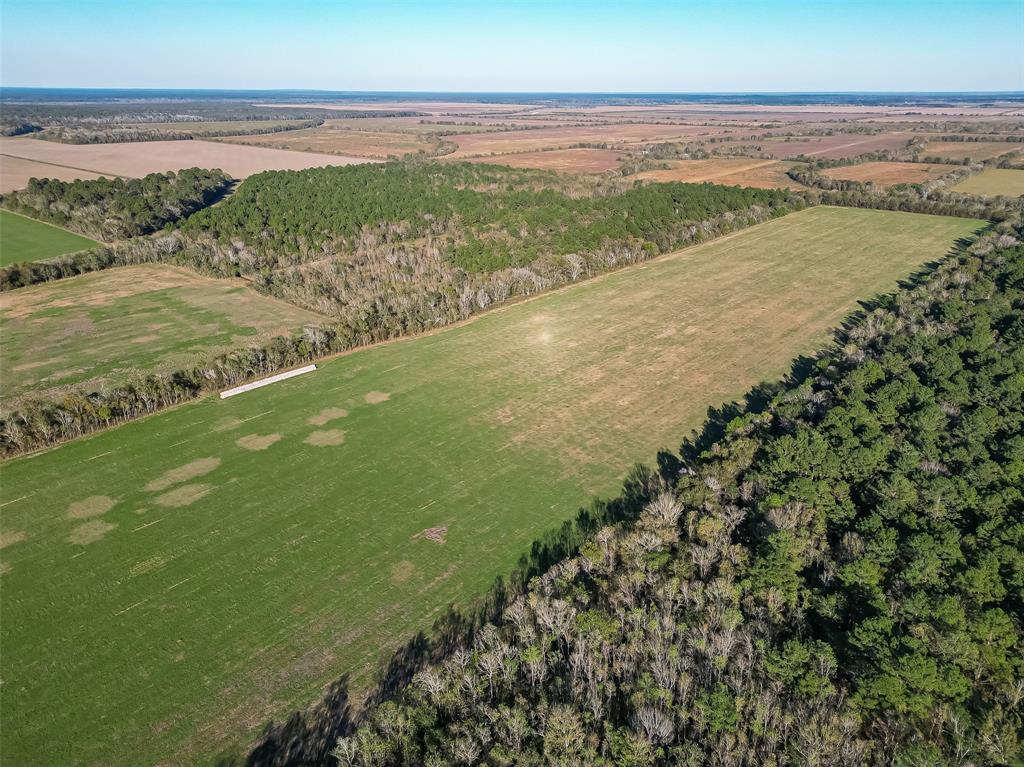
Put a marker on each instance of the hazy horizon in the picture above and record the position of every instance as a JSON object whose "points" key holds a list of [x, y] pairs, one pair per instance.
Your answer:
{"points": [[652, 46]]}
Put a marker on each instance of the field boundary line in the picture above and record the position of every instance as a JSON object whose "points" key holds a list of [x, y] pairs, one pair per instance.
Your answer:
{"points": [[60, 165]]}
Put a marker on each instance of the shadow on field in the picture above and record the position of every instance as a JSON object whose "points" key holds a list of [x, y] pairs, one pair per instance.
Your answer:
{"points": [[307, 737]]}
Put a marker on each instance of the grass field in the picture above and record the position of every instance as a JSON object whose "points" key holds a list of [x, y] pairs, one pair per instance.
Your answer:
{"points": [[993, 181], [170, 584], [889, 173], [25, 239], [126, 321]]}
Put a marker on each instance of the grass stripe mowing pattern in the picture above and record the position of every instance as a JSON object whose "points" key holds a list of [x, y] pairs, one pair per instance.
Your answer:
{"points": [[171, 584], [25, 239]]}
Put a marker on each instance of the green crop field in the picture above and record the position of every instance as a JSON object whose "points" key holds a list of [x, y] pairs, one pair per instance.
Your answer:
{"points": [[993, 181], [25, 239], [171, 584], [119, 322]]}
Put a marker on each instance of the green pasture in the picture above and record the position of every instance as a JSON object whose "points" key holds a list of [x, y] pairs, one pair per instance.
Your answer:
{"points": [[170, 585], [119, 323], [993, 181], [25, 239]]}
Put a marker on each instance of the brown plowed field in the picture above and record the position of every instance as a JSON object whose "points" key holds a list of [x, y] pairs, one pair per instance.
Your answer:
{"points": [[564, 160], [889, 173]]}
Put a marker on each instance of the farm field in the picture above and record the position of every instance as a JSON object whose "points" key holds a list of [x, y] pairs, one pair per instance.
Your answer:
{"points": [[172, 583], [25, 239], [564, 160], [889, 173], [993, 181], [15, 173], [129, 321], [975, 150], [829, 147], [501, 142], [762, 174], [331, 139], [140, 158]]}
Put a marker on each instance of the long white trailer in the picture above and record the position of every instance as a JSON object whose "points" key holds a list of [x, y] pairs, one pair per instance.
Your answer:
{"points": [[266, 381]]}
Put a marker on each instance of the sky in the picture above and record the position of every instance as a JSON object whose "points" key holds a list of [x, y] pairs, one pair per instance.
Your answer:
{"points": [[529, 45]]}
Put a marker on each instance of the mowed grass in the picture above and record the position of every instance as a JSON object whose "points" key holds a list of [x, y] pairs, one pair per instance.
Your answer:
{"points": [[25, 239], [171, 584], [118, 323], [993, 181]]}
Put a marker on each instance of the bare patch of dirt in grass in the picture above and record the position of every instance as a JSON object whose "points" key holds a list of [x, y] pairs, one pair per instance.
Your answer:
{"points": [[376, 397], [145, 339], [4, 568], [257, 441], [326, 437], [10, 538], [227, 424], [196, 468], [90, 532], [92, 506], [435, 534], [327, 415], [185, 495], [402, 572]]}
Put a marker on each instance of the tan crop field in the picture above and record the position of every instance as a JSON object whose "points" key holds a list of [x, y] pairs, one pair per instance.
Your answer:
{"points": [[15, 172], [565, 136], [731, 171], [331, 139], [831, 147], [889, 173], [123, 322], [975, 150], [140, 158], [564, 160]]}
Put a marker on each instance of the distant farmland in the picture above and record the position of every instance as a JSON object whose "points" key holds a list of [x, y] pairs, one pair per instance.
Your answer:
{"points": [[25, 239], [564, 160], [129, 321], [331, 139], [731, 171], [139, 158], [889, 173], [170, 584], [993, 181], [502, 142]]}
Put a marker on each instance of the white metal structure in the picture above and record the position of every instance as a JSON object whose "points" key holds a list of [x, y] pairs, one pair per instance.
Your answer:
{"points": [[266, 381]]}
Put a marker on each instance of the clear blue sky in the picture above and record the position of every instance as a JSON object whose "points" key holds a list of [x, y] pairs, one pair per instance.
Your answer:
{"points": [[550, 45]]}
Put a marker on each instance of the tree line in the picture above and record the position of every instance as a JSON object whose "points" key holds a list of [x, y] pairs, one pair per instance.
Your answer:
{"points": [[834, 577], [117, 208]]}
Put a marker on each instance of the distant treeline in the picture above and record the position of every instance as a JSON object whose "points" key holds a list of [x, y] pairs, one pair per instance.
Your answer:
{"points": [[834, 578], [118, 134], [114, 209]]}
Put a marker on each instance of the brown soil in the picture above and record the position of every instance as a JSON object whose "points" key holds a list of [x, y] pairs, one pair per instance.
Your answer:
{"points": [[185, 495], [257, 442], [327, 415], [93, 506], [326, 438], [90, 532], [184, 473]]}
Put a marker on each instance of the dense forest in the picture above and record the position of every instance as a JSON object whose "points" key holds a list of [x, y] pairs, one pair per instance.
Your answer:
{"points": [[835, 577], [114, 209], [490, 218]]}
